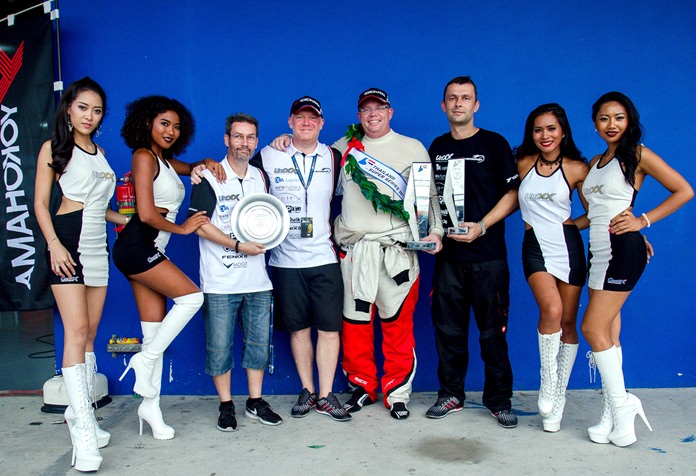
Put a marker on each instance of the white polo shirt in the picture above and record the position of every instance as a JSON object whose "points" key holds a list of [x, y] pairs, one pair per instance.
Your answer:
{"points": [[295, 251], [222, 270]]}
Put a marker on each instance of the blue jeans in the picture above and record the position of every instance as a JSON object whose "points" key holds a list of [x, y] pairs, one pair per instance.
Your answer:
{"points": [[220, 312]]}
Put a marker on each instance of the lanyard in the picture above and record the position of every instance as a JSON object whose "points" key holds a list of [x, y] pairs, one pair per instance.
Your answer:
{"points": [[309, 180]]}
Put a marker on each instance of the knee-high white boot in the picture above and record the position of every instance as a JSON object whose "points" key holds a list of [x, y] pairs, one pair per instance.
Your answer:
{"points": [[143, 363], [548, 353], [566, 359], [599, 433], [103, 436], [85, 455], [149, 409], [624, 406]]}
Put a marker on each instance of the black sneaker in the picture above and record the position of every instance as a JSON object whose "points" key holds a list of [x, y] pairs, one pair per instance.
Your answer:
{"points": [[263, 412], [305, 402], [399, 411], [444, 406], [505, 418], [359, 399], [226, 418], [332, 407]]}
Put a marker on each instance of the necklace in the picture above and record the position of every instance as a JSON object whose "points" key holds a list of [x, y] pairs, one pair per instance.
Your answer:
{"points": [[550, 163]]}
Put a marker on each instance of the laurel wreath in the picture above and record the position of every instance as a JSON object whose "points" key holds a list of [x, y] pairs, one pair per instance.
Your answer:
{"points": [[369, 190]]}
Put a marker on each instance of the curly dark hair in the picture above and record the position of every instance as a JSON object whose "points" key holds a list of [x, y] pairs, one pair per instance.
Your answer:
{"points": [[140, 114], [62, 141], [627, 150], [568, 148]]}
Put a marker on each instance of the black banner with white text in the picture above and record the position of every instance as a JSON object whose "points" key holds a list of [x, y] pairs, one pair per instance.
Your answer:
{"points": [[27, 107]]}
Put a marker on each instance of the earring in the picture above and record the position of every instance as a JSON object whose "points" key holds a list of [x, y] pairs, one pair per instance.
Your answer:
{"points": [[595, 129], [70, 126], [98, 133]]}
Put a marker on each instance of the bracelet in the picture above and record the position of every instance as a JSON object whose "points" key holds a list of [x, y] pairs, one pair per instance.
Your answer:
{"points": [[236, 247], [127, 220], [483, 228], [48, 243], [647, 220]]}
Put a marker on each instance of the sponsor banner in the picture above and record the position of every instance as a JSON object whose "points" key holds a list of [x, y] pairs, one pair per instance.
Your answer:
{"points": [[27, 107]]}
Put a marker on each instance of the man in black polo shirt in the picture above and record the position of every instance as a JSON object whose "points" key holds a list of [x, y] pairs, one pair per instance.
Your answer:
{"points": [[471, 271]]}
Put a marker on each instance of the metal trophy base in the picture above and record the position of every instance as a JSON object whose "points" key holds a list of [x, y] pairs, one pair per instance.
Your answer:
{"points": [[420, 245], [458, 230]]}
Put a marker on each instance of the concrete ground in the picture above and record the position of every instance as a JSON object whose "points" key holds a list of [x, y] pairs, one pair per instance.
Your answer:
{"points": [[467, 442]]}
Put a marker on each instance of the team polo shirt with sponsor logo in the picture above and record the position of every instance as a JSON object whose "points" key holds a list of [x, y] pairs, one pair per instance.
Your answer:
{"points": [[490, 172], [222, 270], [314, 202]]}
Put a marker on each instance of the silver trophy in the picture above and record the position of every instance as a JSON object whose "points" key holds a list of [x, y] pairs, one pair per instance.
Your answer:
{"points": [[454, 196], [418, 193]]}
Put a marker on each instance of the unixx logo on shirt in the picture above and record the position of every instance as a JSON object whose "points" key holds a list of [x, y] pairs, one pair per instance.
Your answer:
{"points": [[590, 190], [108, 176], [227, 198], [543, 196]]}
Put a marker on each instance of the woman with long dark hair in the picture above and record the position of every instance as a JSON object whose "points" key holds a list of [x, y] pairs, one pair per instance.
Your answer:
{"points": [[552, 167], [77, 250], [157, 129], [617, 257]]}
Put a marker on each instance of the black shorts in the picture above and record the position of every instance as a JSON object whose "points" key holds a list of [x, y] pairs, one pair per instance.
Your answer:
{"points": [[570, 268], [135, 251], [308, 297], [68, 228]]}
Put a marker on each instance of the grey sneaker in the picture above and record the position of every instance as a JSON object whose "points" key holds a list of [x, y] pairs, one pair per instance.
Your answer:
{"points": [[505, 418], [305, 402], [444, 405], [226, 418], [263, 412], [332, 407]]}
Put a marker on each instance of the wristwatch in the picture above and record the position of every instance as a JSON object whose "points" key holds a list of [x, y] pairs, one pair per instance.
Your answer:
{"points": [[483, 228]]}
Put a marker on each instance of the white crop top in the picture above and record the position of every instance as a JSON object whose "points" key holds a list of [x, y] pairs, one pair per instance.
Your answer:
{"points": [[607, 192], [88, 179], [168, 192], [544, 199]]}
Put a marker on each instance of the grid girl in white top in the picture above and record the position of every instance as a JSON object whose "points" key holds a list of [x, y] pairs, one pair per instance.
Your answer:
{"points": [[77, 250], [157, 129], [617, 259], [552, 167]]}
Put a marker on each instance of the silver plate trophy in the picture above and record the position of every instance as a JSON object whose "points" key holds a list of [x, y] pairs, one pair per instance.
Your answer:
{"points": [[454, 196], [418, 193], [261, 218]]}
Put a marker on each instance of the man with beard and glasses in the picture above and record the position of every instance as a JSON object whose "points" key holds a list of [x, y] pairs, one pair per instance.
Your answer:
{"points": [[233, 276]]}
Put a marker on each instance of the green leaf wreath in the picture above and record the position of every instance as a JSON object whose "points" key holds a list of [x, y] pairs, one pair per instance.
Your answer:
{"points": [[380, 201]]}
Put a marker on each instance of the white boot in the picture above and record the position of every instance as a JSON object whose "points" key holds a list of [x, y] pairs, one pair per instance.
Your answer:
{"points": [[599, 433], [548, 353], [85, 456], [143, 363], [624, 406], [149, 409], [566, 359], [103, 436]]}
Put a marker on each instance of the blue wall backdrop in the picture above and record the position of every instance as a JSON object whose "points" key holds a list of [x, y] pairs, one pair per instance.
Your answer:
{"points": [[220, 57]]}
